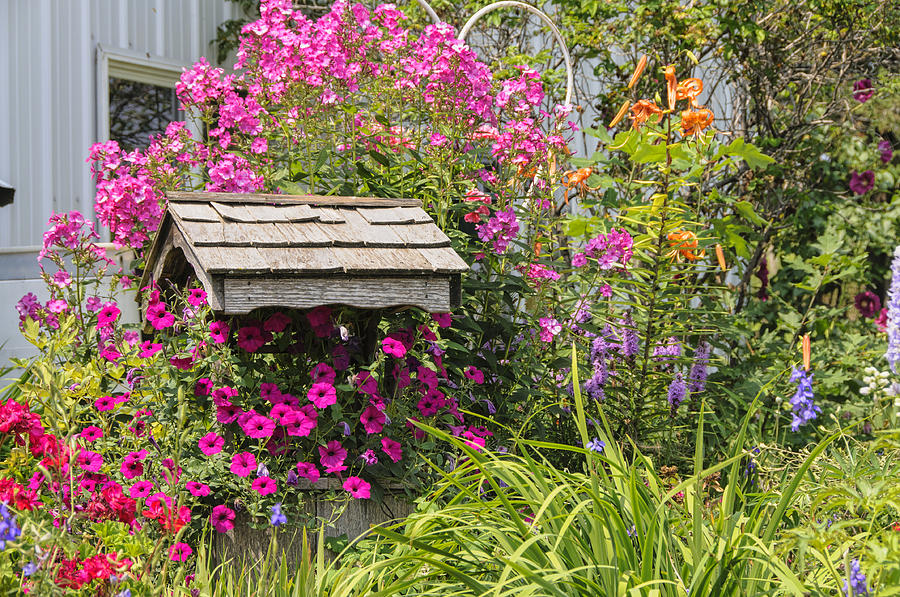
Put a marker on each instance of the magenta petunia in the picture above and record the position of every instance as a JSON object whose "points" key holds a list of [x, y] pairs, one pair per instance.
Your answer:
{"points": [[91, 433], [443, 320], [197, 297], [393, 347], [180, 552], [250, 338], [211, 443], [243, 464], [197, 489], [308, 470], [475, 375], [203, 387], [332, 456], [322, 373], [258, 426], [277, 322], [148, 349], [105, 403], [264, 485], [141, 489], [107, 315], [392, 449], [227, 413], [218, 332], [322, 395], [357, 488], [159, 318], [867, 303], [861, 182], [89, 461], [222, 518], [373, 419], [182, 363]]}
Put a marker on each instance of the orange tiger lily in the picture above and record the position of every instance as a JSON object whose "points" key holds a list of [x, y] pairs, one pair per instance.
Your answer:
{"points": [[689, 89], [684, 246], [578, 180], [694, 121], [642, 111], [671, 86]]}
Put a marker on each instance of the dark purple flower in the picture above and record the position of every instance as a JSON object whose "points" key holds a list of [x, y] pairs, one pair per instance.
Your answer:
{"points": [[697, 376], [867, 303], [862, 90], [677, 390], [861, 183], [887, 152]]}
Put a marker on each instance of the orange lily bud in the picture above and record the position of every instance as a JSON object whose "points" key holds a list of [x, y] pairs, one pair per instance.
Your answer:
{"points": [[671, 86], [638, 71], [621, 114], [720, 256], [537, 249], [806, 351]]}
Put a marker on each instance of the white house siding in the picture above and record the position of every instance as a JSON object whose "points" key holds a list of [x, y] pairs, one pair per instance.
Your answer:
{"points": [[48, 109]]}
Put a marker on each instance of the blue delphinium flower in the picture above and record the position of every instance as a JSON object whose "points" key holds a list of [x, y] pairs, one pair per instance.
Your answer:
{"points": [[9, 530], [278, 518], [857, 581], [804, 410], [893, 314], [596, 445]]}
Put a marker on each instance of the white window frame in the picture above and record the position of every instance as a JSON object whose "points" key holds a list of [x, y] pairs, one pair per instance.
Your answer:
{"points": [[135, 66]]}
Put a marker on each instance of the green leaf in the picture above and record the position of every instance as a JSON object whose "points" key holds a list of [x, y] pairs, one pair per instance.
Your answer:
{"points": [[749, 153], [745, 208]]}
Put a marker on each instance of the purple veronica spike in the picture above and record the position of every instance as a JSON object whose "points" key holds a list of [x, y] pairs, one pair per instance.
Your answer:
{"points": [[630, 342], [893, 314], [677, 390], [697, 376], [802, 401]]}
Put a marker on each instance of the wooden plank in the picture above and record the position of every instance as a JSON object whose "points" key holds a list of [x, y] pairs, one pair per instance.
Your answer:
{"points": [[231, 259], [419, 235], [386, 215], [342, 235], [362, 260], [417, 214], [277, 199], [326, 215], [204, 233], [243, 294], [299, 260], [195, 212], [305, 234], [234, 213], [371, 236], [299, 213], [259, 234], [267, 213], [444, 260]]}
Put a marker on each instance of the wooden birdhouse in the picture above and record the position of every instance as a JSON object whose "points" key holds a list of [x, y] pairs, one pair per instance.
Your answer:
{"points": [[251, 251]]}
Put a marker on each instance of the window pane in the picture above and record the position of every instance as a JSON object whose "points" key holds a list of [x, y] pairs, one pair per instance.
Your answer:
{"points": [[139, 110]]}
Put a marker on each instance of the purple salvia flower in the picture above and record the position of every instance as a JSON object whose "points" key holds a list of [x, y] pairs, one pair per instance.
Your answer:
{"points": [[802, 401], [677, 390], [630, 342], [697, 375], [893, 314]]}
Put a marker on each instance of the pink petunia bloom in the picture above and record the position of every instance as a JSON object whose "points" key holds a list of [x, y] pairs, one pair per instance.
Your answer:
{"points": [[218, 332], [277, 323], [211, 443], [222, 518], [107, 315], [222, 396], [159, 318], [227, 413], [141, 489], [301, 421], [180, 552], [443, 320], [475, 375], [320, 321], [182, 363], [340, 357], [282, 413], [373, 420], [198, 489], [258, 426], [203, 387], [197, 297], [332, 457], [357, 488], [91, 433], [392, 449], [393, 347], [366, 382], [308, 470], [110, 353], [89, 461], [105, 403], [132, 468], [250, 338], [243, 464], [270, 392], [148, 349], [322, 373], [322, 395], [264, 485]]}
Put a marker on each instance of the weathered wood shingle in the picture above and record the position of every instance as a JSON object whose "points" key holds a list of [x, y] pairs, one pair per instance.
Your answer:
{"points": [[237, 244]]}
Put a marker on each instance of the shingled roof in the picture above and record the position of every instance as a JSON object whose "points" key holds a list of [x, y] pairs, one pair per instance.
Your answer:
{"points": [[253, 251]]}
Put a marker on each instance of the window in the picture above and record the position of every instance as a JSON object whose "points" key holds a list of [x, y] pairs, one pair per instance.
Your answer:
{"points": [[136, 97]]}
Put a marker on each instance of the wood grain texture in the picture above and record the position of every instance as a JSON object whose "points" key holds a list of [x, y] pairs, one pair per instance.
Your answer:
{"points": [[202, 233], [327, 215], [418, 235], [387, 215], [234, 212], [243, 294], [298, 260], [195, 212], [273, 199]]}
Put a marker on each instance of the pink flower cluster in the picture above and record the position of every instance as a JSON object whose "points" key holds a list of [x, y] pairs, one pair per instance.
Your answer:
{"points": [[610, 250], [499, 230]]}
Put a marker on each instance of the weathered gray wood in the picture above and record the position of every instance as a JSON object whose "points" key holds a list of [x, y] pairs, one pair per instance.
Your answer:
{"points": [[259, 235], [416, 214], [387, 215], [418, 235], [299, 259], [305, 234], [243, 294], [231, 259], [235, 213], [369, 235], [299, 213], [195, 212], [203, 233], [276, 199], [267, 213], [444, 260], [328, 215], [360, 260]]}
